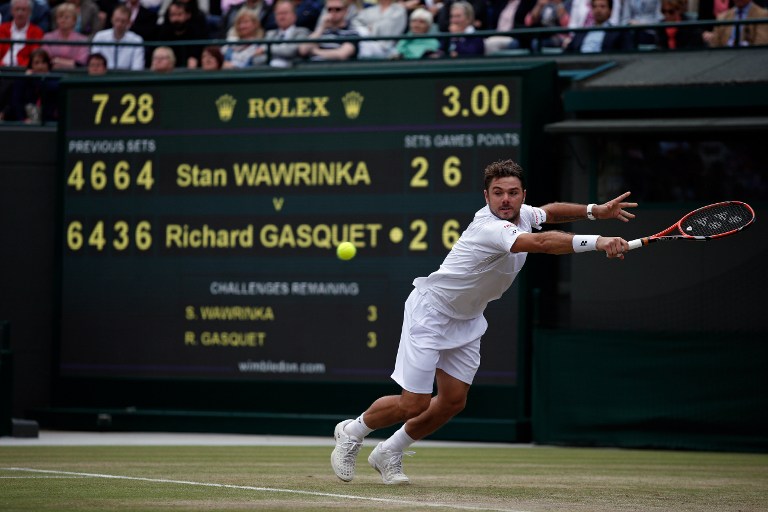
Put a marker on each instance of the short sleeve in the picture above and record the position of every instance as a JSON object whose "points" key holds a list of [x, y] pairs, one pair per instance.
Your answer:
{"points": [[540, 217]]}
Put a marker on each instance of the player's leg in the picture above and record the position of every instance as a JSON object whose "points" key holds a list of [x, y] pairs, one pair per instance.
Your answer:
{"points": [[455, 371], [450, 400], [414, 372], [387, 457]]}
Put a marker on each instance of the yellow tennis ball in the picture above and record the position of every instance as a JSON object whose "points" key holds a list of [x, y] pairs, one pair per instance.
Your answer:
{"points": [[346, 251]]}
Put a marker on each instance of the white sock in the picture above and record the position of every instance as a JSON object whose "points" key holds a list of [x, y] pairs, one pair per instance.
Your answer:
{"points": [[398, 442], [358, 428]]}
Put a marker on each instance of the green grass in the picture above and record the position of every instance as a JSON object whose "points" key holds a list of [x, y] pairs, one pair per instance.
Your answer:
{"points": [[503, 478]]}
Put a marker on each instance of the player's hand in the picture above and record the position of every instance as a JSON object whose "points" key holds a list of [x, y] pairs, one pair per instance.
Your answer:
{"points": [[612, 246], [615, 209]]}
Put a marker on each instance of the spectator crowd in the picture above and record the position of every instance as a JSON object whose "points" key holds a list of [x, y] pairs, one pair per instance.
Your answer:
{"points": [[98, 36]]}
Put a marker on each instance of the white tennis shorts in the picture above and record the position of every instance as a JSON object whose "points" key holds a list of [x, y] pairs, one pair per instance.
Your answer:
{"points": [[431, 340]]}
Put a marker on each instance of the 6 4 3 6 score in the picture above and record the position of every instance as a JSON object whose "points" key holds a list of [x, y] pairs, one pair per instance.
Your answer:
{"points": [[101, 235]]}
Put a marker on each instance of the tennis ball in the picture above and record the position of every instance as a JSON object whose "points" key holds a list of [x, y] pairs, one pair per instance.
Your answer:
{"points": [[346, 251]]}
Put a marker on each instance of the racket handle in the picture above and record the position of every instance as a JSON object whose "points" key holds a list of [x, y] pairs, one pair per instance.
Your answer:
{"points": [[637, 243]]}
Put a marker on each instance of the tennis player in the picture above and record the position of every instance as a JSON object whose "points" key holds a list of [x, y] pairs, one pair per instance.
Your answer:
{"points": [[443, 320]]}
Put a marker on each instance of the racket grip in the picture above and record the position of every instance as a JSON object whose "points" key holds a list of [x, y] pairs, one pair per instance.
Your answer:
{"points": [[637, 243]]}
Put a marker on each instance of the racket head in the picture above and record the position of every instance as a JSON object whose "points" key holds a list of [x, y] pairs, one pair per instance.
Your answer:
{"points": [[713, 221]]}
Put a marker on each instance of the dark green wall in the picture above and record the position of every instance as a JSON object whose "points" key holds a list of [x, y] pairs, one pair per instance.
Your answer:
{"points": [[650, 390]]}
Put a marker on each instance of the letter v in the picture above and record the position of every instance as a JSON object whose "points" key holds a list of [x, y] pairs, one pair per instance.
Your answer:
{"points": [[278, 203]]}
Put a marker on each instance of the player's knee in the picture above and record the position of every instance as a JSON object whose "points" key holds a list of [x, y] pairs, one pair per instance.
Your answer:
{"points": [[457, 407], [453, 405], [411, 407]]}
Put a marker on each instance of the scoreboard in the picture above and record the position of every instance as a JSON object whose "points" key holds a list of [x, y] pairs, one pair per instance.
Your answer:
{"points": [[200, 216]]}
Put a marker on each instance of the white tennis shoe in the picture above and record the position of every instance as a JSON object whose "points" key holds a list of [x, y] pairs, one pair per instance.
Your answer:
{"points": [[344, 456], [389, 465]]}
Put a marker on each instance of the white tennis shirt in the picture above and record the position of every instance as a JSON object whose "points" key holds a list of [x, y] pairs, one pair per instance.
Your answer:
{"points": [[480, 267]]}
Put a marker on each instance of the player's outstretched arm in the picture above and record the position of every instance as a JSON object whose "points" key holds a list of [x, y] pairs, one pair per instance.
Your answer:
{"points": [[615, 209], [569, 212], [559, 242]]}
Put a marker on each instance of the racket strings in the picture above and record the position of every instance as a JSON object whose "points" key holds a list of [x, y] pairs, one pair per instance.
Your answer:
{"points": [[717, 220]]}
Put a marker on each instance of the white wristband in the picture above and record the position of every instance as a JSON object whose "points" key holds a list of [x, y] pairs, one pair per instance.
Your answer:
{"points": [[590, 215], [584, 243]]}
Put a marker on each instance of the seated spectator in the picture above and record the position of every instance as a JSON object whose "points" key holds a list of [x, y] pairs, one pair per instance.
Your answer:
{"points": [[96, 64], [332, 25], [420, 24], [462, 19], [33, 99], [307, 14], [180, 25], [89, 18], [66, 56], [242, 52], [673, 38], [581, 16], [198, 16], [597, 41], [211, 59], [40, 16], [284, 53], [549, 14], [19, 29], [163, 60], [480, 8], [258, 7], [120, 57], [737, 34], [385, 18], [354, 7], [143, 21], [641, 12], [512, 16]]}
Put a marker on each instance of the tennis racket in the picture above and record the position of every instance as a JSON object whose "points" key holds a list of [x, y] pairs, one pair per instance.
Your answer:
{"points": [[706, 223]]}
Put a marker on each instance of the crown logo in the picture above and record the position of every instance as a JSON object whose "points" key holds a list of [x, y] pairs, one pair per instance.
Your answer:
{"points": [[226, 107], [353, 102]]}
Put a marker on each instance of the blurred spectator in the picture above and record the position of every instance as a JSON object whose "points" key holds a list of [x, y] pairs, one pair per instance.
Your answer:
{"points": [[738, 34], [41, 13], [482, 20], [241, 52], [198, 15], [641, 12], [33, 98], [596, 41], [66, 56], [307, 15], [581, 14], [549, 14], [211, 59], [673, 38], [89, 18], [284, 53], [180, 26], [19, 29], [385, 18], [120, 57], [511, 16], [163, 60], [331, 25], [142, 21], [354, 7], [96, 64], [420, 24], [462, 18], [258, 7]]}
